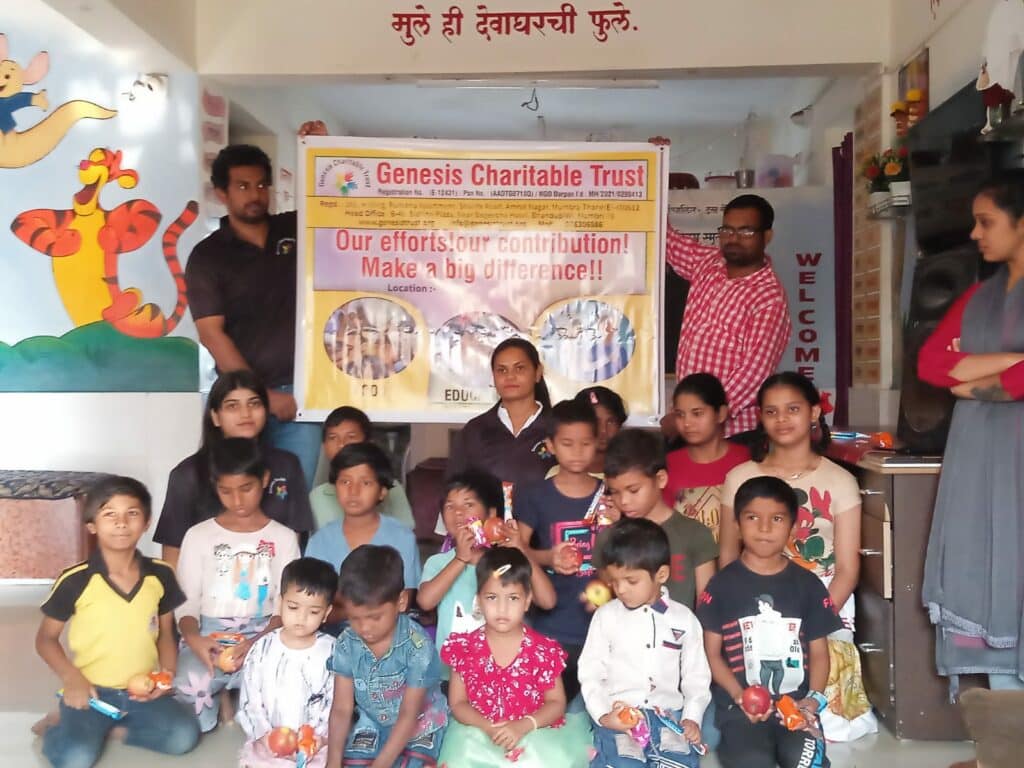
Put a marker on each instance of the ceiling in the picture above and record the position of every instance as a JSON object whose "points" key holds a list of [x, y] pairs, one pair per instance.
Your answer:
{"points": [[406, 109]]}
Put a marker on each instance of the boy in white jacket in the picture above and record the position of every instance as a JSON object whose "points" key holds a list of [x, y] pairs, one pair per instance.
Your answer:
{"points": [[643, 658]]}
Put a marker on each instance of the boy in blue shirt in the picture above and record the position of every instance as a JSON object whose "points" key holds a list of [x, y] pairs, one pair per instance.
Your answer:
{"points": [[556, 516], [386, 672], [361, 474], [344, 426]]}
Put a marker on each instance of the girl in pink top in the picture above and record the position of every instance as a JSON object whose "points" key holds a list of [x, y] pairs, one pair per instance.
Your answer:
{"points": [[506, 693], [697, 471]]}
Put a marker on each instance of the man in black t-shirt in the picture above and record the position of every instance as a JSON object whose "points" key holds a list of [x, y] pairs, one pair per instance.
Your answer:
{"points": [[766, 622], [241, 284]]}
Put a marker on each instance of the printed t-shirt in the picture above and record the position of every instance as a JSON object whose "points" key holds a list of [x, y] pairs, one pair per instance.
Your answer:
{"points": [[766, 624]]}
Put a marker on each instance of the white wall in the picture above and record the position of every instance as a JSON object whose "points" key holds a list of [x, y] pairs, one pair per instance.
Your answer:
{"points": [[136, 434], [955, 37], [355, 37], [143, 435], [281, 111]]}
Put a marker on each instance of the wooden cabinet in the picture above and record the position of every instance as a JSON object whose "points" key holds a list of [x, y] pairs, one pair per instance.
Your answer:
{"points": [[894, 636]]}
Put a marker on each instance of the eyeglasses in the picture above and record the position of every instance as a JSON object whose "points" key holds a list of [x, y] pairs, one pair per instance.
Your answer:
{"points": [[744, 232], [244, 186]]}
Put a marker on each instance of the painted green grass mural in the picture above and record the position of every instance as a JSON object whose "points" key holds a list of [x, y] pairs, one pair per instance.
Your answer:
{"points": [[98, 358]]}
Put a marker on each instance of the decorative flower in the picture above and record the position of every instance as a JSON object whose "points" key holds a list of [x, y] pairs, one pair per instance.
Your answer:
{"points": [[894, 164], [872, 172], [198, 686]]}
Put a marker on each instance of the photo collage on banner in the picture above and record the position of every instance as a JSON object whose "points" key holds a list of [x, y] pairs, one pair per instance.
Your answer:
{"points": [[420, 256]]}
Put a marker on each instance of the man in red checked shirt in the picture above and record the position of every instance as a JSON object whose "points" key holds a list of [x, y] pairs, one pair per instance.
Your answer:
{"points": [[736, 323]]}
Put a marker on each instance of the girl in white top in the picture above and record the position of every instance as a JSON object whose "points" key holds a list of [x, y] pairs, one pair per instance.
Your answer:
{"points": [[826, 535], [229, 569], [285, 681]]}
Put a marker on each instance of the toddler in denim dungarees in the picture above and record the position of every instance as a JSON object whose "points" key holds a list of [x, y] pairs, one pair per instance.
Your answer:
{"points": [[386, 671]]}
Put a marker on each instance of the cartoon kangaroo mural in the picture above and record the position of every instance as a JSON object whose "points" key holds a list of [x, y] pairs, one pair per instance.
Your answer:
{"points": [[21, 148], [85, 243]]}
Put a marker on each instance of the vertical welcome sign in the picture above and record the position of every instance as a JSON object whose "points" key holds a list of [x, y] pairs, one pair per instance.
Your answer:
{"points": [[419, 257]]}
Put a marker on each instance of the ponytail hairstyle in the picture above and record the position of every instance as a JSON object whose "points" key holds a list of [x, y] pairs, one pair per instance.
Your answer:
{"points": [[605, 397], [810, 393], [540, 390], [1006, 191], [705, 386]]}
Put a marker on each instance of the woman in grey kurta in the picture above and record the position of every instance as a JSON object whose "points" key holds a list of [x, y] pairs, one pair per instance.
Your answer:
{"points": [[974, 572]]}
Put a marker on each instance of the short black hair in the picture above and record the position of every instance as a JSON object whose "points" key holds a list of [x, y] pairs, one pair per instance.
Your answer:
{"points": [[766, 487], [106, 488], [355, 454], [486, 486], [634, 449], [372, 575], [236, 456], [347, 413], [608, 398], [765, 212], [705, 386], [519, 568], [571, 412], [636, 543], [235, 156], [312, 576]]}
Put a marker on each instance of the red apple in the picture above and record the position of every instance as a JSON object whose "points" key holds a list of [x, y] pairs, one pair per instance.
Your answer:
{"points": [[283, 741], [140, 685], [575, 558], [495, 531], [756, 700]]}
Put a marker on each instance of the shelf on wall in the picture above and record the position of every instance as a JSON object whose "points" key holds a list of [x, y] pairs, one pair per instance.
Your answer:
{"points": [[1010, 129], [893, 207]]}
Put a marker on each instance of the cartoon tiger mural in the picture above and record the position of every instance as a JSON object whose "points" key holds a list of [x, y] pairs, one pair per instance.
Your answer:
{"points": [[86, 242]]}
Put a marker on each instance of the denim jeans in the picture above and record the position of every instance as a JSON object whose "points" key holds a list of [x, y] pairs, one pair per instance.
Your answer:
{"points": [[303, 438], [162, 725], [366, 741], [616, 749], [709, 732]]}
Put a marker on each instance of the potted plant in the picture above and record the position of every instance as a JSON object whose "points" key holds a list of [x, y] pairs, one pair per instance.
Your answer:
{"points": [[896, 167], [878, 187]]}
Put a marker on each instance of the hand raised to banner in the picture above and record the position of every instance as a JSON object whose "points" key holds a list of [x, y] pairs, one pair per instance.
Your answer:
{"points": [[660, 141], [313, 128]]}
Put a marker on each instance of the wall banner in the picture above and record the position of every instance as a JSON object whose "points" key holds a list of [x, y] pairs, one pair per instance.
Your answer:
{"points": [[418, 257]]}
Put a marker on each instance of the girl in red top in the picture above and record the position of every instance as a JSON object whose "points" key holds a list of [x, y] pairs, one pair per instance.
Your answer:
{"points": [[506, 692], [972, 585], [697, 470]]}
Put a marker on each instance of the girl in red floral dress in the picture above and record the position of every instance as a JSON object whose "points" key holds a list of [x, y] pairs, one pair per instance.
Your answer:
{"points": [[506, 694]]}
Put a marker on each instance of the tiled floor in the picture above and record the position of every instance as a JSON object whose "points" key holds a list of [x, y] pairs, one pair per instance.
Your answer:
{"points": [[27, 689]]}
